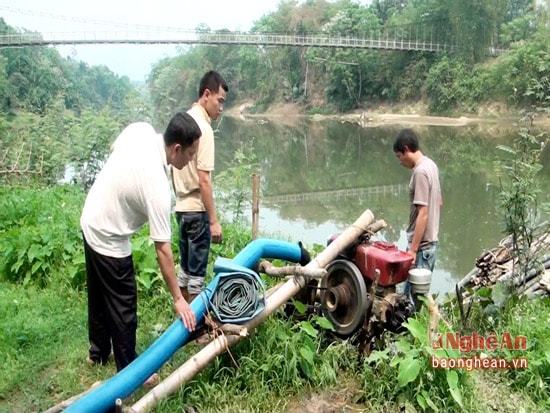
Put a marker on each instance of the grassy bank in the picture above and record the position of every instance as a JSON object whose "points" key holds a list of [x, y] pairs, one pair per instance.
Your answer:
{"points": [[287, 366]]}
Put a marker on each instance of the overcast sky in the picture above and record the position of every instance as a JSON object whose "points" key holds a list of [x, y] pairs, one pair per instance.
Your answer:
{"points": [[132, 61]]}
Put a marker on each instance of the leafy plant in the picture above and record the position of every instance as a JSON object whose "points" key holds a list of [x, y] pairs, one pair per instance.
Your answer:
{"points": [[405, 367], [234, 184], [148, 276], [520, 195], [306, 333], [40, 233]]}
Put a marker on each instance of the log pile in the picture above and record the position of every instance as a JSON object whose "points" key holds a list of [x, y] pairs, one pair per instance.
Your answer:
{"points": [[498, 265], [491, 265]]}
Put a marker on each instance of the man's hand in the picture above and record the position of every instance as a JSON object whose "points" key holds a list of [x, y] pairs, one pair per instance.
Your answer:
{"points": [[166, 262], [216, 232], [183, 309]]}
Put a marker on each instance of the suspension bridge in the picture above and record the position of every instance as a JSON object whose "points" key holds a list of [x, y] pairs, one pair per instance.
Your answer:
{"points": [[396, 41], [409, 37]]}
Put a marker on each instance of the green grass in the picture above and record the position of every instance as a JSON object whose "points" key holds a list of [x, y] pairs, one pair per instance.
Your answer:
{"points": [[285, 366], [43, 347], [42, 338], [43, 344]]}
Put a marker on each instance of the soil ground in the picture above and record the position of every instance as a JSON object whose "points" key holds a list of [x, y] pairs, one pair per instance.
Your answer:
{"points": [[492, 390], [406, 114]]}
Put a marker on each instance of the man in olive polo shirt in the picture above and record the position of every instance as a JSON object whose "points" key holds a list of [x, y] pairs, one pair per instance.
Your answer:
{"points": [[195, 209]]}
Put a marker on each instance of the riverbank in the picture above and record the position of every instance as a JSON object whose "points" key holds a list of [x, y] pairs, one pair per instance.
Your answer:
{"points": [[402, 114]]}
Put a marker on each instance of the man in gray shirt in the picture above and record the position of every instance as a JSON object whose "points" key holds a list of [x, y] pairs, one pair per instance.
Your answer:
{"points": [[426, 200]]}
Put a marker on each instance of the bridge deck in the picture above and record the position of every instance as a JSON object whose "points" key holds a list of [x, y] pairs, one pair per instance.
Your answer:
{"points": [[198, 37]]}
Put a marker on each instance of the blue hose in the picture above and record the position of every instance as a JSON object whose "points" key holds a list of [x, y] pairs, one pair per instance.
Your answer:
{"points": [[126, 381]]}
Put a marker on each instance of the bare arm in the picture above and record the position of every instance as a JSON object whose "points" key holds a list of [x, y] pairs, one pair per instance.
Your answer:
{"points": [[166, 263], [207, 196], [419, 228]]}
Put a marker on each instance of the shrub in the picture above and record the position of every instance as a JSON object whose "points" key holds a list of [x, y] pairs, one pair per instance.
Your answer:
{"points": [[40, 233]]}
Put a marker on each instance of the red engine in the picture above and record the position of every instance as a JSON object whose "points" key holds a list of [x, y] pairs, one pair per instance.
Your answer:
{"points": [[393, 263]]}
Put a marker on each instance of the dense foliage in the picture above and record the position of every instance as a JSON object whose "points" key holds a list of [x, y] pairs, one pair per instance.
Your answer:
{"points": [[499, 46], [58, 115], [33, 79]]}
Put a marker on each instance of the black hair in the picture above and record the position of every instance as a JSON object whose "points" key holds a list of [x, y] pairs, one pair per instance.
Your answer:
{"points": [[182, 129], [212, 81], [406, 138]]}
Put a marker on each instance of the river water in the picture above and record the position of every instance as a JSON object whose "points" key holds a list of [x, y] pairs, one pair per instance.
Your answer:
{"points": [[317, 177]]}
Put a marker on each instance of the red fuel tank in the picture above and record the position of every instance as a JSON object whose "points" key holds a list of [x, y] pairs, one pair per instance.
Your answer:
{"points": [[393, 263]]}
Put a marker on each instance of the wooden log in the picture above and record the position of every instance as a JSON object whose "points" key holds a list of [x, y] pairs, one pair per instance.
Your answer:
{"points": [[531, 286], [537, 293], [545, 280], [517, 278], [520, 279], [255, 204], [219, 345], [507, 270], [494, 256]]}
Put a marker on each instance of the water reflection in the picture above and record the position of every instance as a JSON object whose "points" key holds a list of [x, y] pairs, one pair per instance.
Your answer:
{"points": [[319, 176]]}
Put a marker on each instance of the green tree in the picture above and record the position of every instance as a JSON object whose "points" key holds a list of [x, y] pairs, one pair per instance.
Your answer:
{"points": [[35, 77], [348, 69]]}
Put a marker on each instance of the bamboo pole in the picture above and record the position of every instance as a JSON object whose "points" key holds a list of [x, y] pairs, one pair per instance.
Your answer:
{"points": [[377, 226], [255, 204], [274, 271], [66, 403], [468, 278], [220, 344]]}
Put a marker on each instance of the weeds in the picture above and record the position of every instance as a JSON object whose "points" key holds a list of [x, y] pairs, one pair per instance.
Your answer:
{"points": [[235, 183], [43, 339], [39, 228], [403, 368], [536, 379]]}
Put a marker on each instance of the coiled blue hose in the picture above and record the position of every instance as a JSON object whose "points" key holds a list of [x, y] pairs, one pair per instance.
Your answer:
{"points": [[240, 297], [125, 382]]}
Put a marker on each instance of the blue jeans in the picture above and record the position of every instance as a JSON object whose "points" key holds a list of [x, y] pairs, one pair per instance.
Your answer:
{"points": [[194, 244], [425, 258]]}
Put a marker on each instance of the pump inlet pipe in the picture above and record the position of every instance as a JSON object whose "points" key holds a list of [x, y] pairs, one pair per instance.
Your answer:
{"points": [[276, 297], [125, 382]]}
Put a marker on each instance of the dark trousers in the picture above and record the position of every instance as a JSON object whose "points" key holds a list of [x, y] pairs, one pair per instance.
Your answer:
{"points": [[194, 244], [112, 307]]}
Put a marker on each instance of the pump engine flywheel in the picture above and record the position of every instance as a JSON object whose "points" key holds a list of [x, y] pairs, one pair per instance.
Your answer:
{"points": [[344, 297]]}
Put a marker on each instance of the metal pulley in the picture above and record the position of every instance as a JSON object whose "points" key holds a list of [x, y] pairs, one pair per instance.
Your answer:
{"points": [[344, 297]]}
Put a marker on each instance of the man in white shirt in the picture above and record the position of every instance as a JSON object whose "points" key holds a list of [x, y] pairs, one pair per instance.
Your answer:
{"points": [[131, 189]]}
